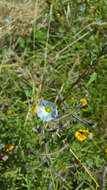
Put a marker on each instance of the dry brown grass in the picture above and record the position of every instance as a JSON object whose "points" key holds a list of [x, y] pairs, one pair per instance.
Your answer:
{"points": [[22, 14]]}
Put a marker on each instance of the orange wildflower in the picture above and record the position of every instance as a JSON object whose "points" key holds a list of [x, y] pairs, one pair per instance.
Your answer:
{"points": [[9, 147], [83, 102], [80, 134]]}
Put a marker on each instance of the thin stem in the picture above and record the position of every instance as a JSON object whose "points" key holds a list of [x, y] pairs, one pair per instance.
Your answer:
{"points": [[85, 168]]}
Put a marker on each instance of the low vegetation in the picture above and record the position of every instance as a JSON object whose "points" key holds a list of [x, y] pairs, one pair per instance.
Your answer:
{"points": [[54, 51]]}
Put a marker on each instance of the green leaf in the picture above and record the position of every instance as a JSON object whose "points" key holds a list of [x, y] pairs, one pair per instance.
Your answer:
{"points": [[22, 43], [93, 77]]}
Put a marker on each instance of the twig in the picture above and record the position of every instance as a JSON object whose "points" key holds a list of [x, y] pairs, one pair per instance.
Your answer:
{"points": [[79, 186], [76, 117], [72, 113], [85, 168], [46, 51], [69, 45], [53, 153], [87, 72], [103, 182]]}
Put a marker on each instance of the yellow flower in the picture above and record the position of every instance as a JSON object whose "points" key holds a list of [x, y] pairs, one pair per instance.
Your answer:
{"points": [[10, 112], [9, 147], [83, 102], [63, 167], [105, 150], [34, 109], [80, 134]]}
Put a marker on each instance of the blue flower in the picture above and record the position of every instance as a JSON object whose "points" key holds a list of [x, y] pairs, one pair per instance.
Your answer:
{"points": [[98, 21], [8, 20], [17, 32], [47, 111], [82, 7]]}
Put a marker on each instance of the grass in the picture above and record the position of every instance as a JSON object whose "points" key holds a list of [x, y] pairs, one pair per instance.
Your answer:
{"points": [[62, 58]]}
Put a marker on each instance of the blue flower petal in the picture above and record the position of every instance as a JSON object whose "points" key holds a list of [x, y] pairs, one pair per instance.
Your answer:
{"points": [[8, 20], [98, 21], [82, 7]]}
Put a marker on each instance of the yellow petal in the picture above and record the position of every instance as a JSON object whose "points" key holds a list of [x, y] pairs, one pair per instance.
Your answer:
{"points": [[83, 102], [9, 148], [105, 150], [84, 130], [34, 109], [10, 112], [80, 136]]}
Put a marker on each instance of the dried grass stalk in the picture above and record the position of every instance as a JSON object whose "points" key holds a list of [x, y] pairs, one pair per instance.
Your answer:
{"points": [[19, 16]]}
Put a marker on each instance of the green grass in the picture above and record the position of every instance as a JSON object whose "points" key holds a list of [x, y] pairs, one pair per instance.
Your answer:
{"points": [[62, 62]]}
